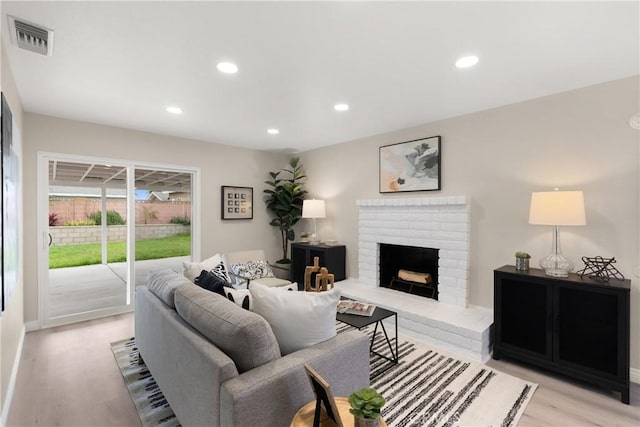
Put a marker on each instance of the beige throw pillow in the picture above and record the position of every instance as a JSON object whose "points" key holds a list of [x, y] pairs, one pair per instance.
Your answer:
{"points": [[192, 270]]}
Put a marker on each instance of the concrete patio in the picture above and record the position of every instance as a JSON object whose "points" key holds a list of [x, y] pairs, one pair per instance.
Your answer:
{"points": [[82, 289]]}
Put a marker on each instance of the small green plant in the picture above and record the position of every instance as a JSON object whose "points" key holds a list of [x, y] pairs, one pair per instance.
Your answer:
{"points": [[80, 223], [521, 254], [113, 218], [184, 220], [366, 403]]}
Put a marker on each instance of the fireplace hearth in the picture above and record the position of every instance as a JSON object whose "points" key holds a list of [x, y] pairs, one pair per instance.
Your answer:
{"points": [[409, 269]]}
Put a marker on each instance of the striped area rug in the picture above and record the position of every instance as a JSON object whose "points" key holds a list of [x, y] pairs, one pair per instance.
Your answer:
{"points": [[153, 408], [427, 388], [432, 388]]}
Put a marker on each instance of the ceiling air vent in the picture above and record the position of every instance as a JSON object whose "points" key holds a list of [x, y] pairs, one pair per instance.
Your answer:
{"points": [[31, 37]]}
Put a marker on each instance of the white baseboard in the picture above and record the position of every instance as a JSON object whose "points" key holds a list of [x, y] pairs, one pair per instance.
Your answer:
{"points": [[6, 405], [33, 325], [634, 375]]}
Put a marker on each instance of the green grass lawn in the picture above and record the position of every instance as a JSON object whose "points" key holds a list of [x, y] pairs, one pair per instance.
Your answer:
{"points": [[91, 253]]}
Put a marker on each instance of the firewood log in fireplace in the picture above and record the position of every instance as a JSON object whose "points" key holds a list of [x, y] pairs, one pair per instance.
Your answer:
{"points": [[414, 276]]}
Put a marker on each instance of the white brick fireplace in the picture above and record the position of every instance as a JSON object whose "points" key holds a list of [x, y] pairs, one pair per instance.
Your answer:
{"points": [[433, 222], [429, 222]]}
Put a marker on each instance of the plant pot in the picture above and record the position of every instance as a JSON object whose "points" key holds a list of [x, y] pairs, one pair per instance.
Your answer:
{"points": [[366, 422], [522, 264]]}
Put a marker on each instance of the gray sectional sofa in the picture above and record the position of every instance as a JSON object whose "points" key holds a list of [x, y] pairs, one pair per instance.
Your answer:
{"points": [[220, 365]]}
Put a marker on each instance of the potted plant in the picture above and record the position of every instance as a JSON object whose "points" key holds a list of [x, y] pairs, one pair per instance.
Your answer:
{"points": [[365, 407], [304, 236], [522, 261], [284, 199]]}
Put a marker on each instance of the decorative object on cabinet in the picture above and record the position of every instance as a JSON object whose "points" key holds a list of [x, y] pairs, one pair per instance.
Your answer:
{"points": [[600, 268], [575, 326], [522, 261], [284, 199], [302, 255], [410, 166], [237, 202], [314, 209], [557, 208]]}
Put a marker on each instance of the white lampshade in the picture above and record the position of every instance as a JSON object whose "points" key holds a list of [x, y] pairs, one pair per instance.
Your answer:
{"points": [[313, 209], [557, 208]]}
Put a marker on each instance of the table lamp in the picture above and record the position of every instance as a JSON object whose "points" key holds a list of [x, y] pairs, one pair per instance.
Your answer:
{"points": [[557, 208], [313, 209]]}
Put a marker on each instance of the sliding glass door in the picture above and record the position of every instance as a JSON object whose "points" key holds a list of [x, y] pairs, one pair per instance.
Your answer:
{"points": [[104, 225]]}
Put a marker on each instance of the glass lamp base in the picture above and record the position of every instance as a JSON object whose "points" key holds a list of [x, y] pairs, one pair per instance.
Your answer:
{"points": [[556, 272], [556, 265], [314, 238]]}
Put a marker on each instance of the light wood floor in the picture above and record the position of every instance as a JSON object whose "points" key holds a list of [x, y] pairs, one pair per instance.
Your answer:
{"points": [[68, 377]]}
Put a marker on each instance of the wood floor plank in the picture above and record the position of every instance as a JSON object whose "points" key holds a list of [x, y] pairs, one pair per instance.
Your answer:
{"points": [[68, 377]]}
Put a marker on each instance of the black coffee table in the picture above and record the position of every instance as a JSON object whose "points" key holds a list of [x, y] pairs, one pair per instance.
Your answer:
{"points": [[377, 317]]}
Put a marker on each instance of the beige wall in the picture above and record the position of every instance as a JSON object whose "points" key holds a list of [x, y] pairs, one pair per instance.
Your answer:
{"points": [[12, 319], [574, 140], [220, 165]]}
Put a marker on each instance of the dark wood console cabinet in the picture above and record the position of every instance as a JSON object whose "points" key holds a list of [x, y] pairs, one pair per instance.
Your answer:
{"points": [[576, 326], [331, 256]]}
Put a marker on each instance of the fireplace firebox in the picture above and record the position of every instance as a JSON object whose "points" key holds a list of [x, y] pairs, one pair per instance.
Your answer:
{"points": [[409, 269]]}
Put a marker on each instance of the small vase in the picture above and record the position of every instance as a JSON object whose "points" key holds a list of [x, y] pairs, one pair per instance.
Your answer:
{"points": [[366, 422], [522, 264]]}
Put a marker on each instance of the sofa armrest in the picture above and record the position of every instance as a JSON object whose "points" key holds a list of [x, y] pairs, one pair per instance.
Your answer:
{"points": [[271, 394]]}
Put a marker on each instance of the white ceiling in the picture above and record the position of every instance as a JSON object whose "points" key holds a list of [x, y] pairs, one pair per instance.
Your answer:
{"points": [[122, 63]]}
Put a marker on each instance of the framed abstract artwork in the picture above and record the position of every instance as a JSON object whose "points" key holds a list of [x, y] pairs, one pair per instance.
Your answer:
{"points": [[410, 166], [237, 202]]}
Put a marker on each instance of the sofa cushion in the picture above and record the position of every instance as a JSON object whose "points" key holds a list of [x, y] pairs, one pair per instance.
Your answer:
{"points": [[213, 264], [211, 282], [244, 336], [163, 284], [298, 319]]}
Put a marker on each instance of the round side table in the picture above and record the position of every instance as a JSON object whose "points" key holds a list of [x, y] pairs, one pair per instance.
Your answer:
{"points": [[304, 417]]}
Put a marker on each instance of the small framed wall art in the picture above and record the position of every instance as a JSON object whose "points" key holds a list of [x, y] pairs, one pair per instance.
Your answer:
{"points": [[237, 202], [410, 166]]}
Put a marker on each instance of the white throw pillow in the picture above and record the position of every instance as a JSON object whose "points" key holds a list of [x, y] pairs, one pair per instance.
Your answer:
{"points": [[298, 319], [290, 287], [193, 269], [240, 297]]}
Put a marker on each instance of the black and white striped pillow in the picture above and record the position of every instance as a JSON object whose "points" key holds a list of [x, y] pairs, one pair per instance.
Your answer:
{"points": [[221, 272]]}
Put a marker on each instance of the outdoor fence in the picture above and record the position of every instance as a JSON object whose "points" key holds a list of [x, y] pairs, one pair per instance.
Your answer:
{"points": [[61, 236], [79, 208]]}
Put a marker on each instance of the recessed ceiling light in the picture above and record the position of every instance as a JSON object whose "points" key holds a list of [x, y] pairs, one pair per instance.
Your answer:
{"points": [[174, 110], [273, 131], [227, 67], [467, 61], [341, 107]]}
